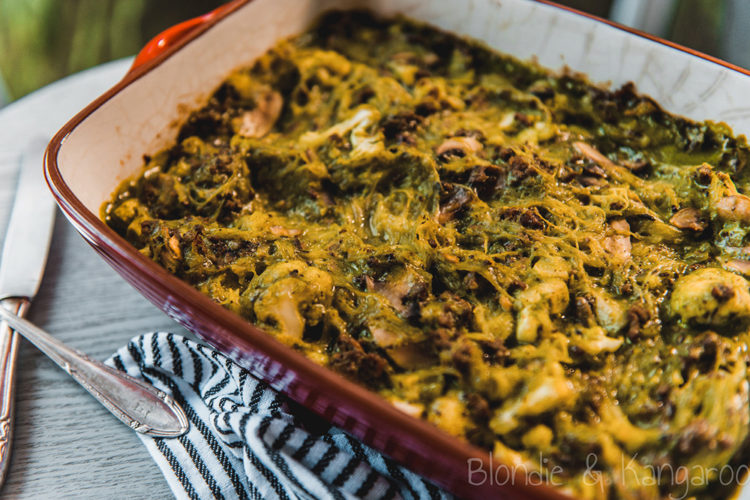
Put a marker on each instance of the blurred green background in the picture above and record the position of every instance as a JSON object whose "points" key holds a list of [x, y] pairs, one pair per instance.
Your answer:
{"points": [[44, 40]]}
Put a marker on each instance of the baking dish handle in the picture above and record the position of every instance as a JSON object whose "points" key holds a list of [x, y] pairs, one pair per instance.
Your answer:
{"points": [[173, 35]]}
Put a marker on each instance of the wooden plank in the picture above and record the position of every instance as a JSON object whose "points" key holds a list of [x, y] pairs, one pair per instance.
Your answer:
{"points": [[66, 444]]}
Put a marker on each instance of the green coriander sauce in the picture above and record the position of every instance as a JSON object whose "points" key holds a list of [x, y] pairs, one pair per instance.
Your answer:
{"points": [[534, 264]]}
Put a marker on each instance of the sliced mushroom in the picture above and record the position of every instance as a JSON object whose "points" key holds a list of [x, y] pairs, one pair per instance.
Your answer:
{"points": [[635, 166], [385, 337], [453, 198], [288, 317], [394, 292], [734, 208], [618, 245], [689, 218], [594, 155], [464, 144], [260, 120], [413, 356], [405, 57], [615, 172], [620, 226], [282, 231], [740, 266], [399, 287]]}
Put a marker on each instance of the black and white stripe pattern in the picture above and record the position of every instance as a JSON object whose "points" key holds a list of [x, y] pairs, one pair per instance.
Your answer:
{"points": [[243, 441]]}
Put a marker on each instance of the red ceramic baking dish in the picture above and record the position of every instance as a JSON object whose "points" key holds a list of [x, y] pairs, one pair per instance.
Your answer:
{"points": [[104, 144]]}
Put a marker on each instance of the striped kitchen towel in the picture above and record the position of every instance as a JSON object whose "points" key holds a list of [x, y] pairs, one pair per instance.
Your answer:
{"points": [[245, 442]]}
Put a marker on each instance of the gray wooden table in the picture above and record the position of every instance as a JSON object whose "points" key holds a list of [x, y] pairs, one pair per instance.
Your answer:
{"points": [[66, 444]]}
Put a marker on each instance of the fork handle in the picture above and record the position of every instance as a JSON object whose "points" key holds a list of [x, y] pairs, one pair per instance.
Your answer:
{"points": [[137, 404], [9, 341]]}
